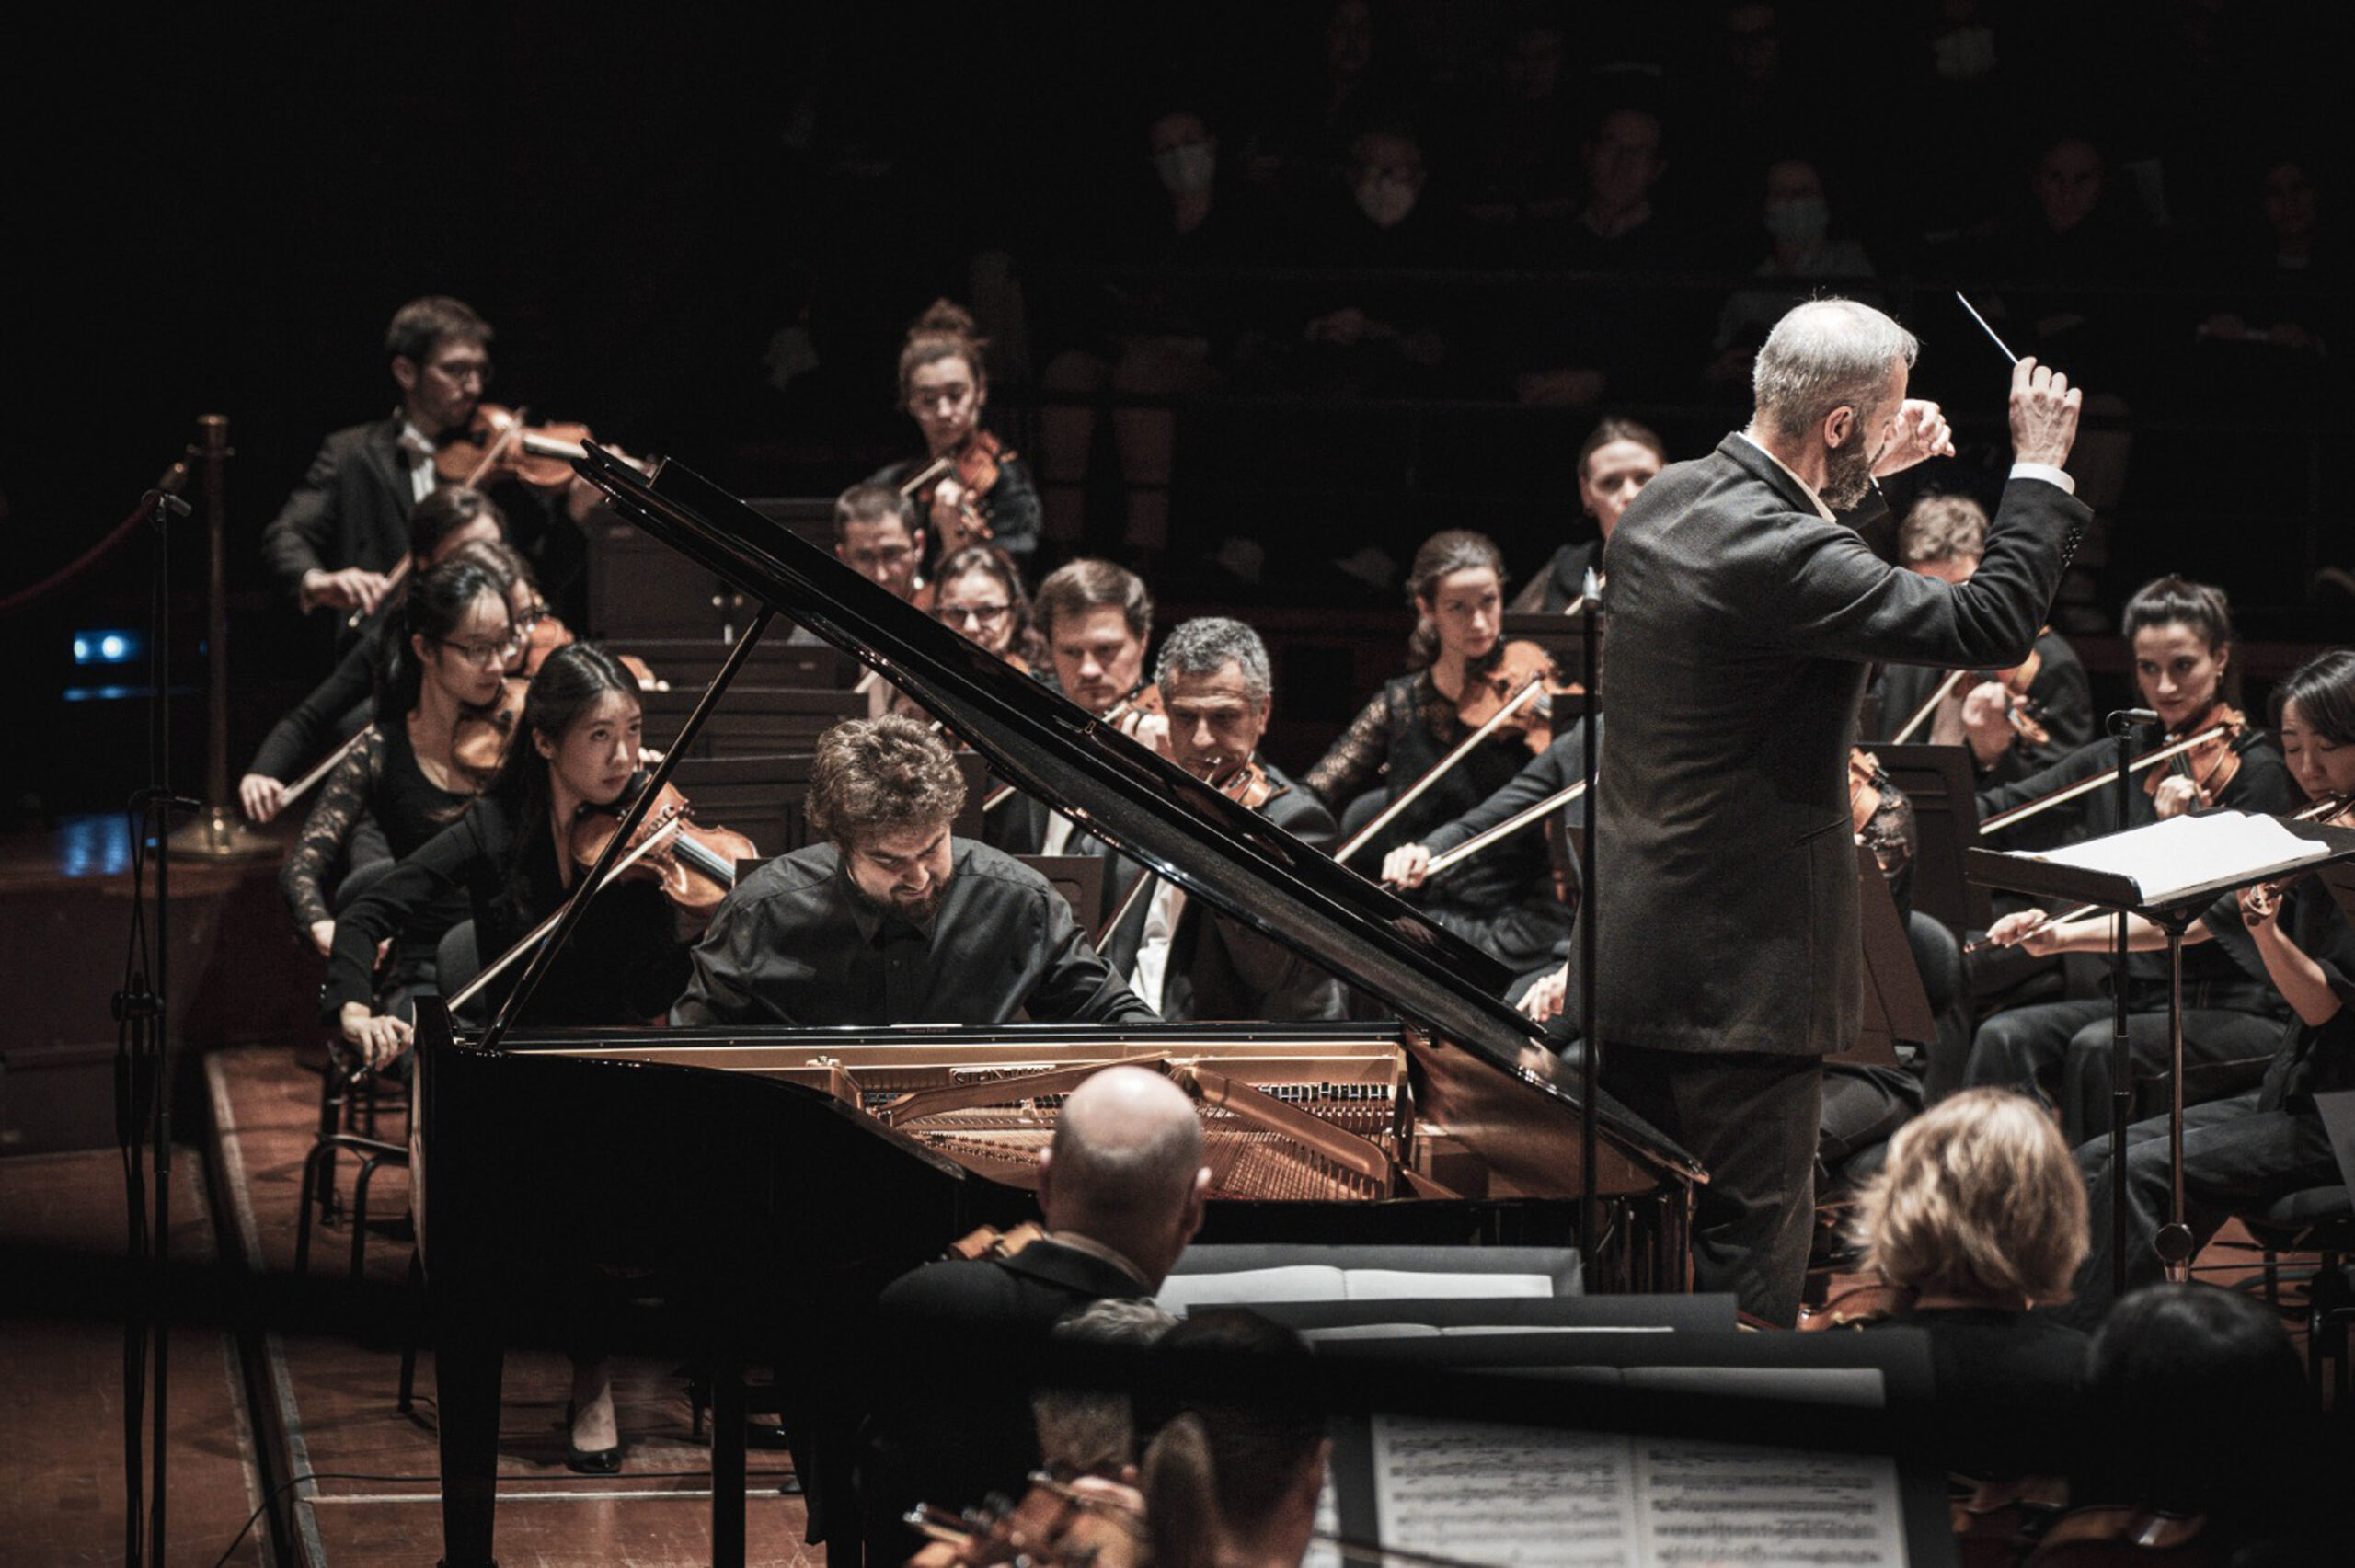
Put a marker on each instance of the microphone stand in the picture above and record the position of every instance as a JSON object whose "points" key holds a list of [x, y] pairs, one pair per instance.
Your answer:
{"points": [[2121, 725], [143, 1079], [1591, 1055]]}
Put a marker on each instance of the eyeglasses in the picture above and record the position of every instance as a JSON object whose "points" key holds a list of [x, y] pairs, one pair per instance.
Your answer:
{"points": [[484, 652], [887, 555], [981, 614], [461, 370]]}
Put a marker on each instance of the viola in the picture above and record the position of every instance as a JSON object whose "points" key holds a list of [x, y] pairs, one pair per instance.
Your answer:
{"points": [[2213, 764], [1520, 684], [694, 864], [1136, 711], [497, 445], [2025, 714], [1854, 1307], [546, 633], [1867, 787]]}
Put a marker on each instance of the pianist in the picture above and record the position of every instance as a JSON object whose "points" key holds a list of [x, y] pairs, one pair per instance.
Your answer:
{"points": [[892, 921]]}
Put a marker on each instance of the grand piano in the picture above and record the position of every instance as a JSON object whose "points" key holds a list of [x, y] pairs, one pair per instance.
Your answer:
{"points": [[748, 1192]]}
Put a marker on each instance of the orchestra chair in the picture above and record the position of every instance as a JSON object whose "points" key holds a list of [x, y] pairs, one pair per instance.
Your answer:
{"points": [[2319, 1220]]}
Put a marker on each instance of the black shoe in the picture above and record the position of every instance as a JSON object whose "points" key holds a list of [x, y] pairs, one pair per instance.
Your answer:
{"points": [[589, 1462]]}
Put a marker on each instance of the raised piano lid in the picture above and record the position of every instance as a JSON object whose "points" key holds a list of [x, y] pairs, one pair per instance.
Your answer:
{"points": [[1484, 1073]]}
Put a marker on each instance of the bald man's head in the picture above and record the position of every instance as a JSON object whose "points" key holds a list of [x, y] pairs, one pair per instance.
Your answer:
{"points": [[1125, 1168]]}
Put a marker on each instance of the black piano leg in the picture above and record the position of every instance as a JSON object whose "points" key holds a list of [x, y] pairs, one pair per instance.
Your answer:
{"points": [[466, 1379], [728, 1468]]}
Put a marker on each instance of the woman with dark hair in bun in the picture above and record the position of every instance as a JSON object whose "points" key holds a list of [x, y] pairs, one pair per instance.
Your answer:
{"points": [[982, 492]]}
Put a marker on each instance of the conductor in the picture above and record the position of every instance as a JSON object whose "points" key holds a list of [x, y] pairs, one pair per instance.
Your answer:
{"points": [[1744, 609]]}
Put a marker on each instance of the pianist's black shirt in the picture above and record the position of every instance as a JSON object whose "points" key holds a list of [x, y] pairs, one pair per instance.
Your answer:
{"points": [[792, 944]]}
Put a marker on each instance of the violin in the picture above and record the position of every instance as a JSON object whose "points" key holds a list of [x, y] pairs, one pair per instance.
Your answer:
{"points": [[479, 741], [975, 464], [1135, 712], [1854, 1307], [497, 445], [545, 633], [1057, 1524], [1867, 787], [2025, 714], [2213, 764], [694, 864], [1520, 684]]}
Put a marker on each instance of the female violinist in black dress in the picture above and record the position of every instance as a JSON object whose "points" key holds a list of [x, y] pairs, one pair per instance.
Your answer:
{"points": [[982, 492], [1504, 900]]}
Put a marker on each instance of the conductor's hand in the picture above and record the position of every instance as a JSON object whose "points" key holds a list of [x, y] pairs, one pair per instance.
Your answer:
{"points": [[1920, 432], [1543, 1000], [379, 1039], [2044, 413], [1407, 866]]}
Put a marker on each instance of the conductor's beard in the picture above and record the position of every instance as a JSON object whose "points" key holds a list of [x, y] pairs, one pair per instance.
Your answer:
{"points": [[1848, 477]]}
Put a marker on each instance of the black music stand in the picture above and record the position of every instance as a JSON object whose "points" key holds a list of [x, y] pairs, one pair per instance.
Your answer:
{"points": [[1941, 785], [1896, 1005], [2141, 872]]}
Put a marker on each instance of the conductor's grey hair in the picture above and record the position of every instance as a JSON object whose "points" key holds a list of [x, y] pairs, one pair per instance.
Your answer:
{"points": [[1209, 644], [1824, 355]]}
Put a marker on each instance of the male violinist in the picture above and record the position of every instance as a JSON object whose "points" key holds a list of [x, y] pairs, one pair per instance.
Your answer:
{"points": [[1745, 611], [1187, 963], [333, 543], [1943, 536]]}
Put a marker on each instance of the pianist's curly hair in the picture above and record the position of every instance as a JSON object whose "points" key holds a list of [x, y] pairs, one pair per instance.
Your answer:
{"points": [[881, 775]]}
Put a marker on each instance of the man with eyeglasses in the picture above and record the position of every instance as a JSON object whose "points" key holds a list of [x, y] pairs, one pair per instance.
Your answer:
{"points": [[876, 535], [335, 542]]}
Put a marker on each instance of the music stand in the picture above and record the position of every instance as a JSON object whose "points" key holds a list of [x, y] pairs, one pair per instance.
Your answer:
{"points": [[1896, 1005], [1942, 787], [2168, 873]]}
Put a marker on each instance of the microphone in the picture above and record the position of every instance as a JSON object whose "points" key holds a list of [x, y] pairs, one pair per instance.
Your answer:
{"points": [[2123, 719], [169, 504]]}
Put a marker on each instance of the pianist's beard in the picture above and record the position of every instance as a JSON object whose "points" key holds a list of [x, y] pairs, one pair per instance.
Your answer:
{"points": [[916, 910]]}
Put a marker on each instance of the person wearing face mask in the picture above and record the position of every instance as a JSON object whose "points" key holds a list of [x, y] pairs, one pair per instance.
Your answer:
{"points": [[1802, 254], [1745, 611], [1375, 339], [1620, 457]]}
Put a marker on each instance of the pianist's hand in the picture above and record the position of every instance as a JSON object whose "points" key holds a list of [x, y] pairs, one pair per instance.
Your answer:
{"points": [[379, 1039]]}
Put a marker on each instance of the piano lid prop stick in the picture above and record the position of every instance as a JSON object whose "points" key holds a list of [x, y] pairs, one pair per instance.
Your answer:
{"points": [[2000, 346], [1514, 824], [1521, 699], [506, 960]]}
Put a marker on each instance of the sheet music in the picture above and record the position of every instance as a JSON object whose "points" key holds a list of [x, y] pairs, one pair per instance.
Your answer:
{"points": [[1322, 1552], [1514, 1495], [1392, 1284], [1323, 1282], [2181, 852]]}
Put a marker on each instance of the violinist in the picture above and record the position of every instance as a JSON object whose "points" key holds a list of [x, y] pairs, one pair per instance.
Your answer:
{"points": [[2015, 721], [510, 857], [1228, 1481], [2242, 1153], [405, 776], [889, 920], [1504, 900], [1619, 458], [973, 488], [878, 535], [1187, 962], [444, 523], [333, 543], [2181, 637]]}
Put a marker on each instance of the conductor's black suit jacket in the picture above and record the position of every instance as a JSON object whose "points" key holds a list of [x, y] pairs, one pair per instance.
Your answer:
{"points": [[1740, 626]]}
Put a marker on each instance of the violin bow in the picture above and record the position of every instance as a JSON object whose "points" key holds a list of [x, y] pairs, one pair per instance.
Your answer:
{"points": [[1926, 709], [1521, 699], [309, 781], [539, 933], [2018, 814], [1526, 816]]}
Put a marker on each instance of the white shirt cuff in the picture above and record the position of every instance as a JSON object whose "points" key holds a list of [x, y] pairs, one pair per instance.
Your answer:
{"points": [[2047, 473]]}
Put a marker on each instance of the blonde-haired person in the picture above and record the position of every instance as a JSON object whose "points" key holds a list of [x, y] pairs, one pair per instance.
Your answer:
{"points": [[1977, 1218]]}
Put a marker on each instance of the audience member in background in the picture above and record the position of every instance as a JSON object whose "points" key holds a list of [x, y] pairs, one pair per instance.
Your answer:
{"points": [[1364, 336], [1977, 1217], [1620, 457], [1943, 537], [1503, 900], [1231, 1479], [1746, 94], [2246, 1152], [1122, 1187], [1186, 961], [2199, 1411], [987, 494], [442, 524], [1518, 136], [1803, 255], [1351, 72], [1156, 336], [1577, 348], [2068, 245], [2274, 313]]}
